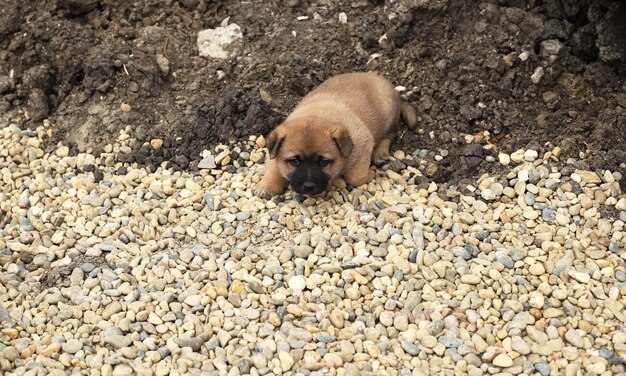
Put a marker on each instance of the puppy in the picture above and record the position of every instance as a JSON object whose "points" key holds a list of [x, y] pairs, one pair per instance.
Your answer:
{"points": [[338, 129]]}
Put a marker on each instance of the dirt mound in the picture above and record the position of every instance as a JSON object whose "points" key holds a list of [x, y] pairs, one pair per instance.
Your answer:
{"points": [[509, 73]]}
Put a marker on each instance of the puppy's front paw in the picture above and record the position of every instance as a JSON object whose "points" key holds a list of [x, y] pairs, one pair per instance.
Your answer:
{"points": [[379, 159], [359, 180], [265, 190]]}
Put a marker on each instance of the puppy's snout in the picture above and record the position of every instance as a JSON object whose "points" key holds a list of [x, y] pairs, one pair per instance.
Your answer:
{"points": [[308, 187]]}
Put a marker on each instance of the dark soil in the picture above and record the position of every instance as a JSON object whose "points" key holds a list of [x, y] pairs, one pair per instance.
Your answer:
{"points": [[76, 61], [59, 276]]}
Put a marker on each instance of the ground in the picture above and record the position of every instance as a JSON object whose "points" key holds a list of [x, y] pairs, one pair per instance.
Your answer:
{"points": [[466, 67]]}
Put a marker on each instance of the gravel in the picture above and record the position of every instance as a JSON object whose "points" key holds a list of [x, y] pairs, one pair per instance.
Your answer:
{"points": [[188, 273]]}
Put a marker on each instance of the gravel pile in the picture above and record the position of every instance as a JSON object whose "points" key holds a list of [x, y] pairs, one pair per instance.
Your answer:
{"points": [[110, 269]]}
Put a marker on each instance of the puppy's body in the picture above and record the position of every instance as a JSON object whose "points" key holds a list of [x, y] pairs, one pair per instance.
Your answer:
{"points": [[336, 130]]}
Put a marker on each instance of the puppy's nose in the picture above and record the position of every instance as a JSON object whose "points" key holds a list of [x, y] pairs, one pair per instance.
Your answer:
{"points": [[308, 187]]}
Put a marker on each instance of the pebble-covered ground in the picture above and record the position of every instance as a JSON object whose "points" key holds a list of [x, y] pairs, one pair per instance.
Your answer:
{"points": [[111, 269]]}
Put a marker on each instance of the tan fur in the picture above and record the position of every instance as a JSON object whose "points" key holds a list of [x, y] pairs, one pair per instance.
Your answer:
{"points": [[357, 113]]}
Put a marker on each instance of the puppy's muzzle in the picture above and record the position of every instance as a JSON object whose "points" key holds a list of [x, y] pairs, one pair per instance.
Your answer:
{"points": [[308, 187]]}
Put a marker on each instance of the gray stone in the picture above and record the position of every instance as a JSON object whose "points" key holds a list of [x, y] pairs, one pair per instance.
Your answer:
{"points": [[543, 368], [410, 348], [450, 342], [506, 261]]}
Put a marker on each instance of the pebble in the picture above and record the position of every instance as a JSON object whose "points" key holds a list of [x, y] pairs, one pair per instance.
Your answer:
{"points": [[503, 361], [537, 269], [506, 261], [543, 368], [297, 283], [207, 163], [72, 346], [572, 336], [530, 155], [450, 342], [410, 348]]}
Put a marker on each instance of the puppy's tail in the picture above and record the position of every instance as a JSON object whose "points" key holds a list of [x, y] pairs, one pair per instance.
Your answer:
{"points": [[409, 115]]}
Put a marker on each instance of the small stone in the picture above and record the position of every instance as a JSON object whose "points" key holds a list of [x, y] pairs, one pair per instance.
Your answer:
{"points": [[193, 300], [471, 279], [488, 194], [429, 341], [72, 346], [286, 361], [117, 341], [220, 42], [621, 204], [537, 269], [125, 107], [62, 151], [506, 261], [207, 163], [401, 322], [503, 361], [537, 75], [595, 368], [450, 342], [588, 177], [543, 369], [297, 283], [410, 348], [519, 345], [536, 299], [579, 276], [518, 156], [530, 155], [156, 143], [163, 63], [504, 159], [572, 336]]}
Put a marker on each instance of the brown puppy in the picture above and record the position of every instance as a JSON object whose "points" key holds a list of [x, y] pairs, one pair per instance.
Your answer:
{"points": [[338, 129]]}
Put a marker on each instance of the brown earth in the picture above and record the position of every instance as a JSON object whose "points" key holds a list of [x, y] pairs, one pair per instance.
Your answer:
{"points": [[76, 61]]}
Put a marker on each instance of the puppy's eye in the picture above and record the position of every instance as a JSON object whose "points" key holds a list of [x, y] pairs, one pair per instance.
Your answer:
{"points": [[324, 162], [293, 161]]}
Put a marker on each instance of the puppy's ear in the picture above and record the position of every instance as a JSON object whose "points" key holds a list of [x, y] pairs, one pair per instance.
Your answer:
{"points": [[343, 141], [275, 141]]}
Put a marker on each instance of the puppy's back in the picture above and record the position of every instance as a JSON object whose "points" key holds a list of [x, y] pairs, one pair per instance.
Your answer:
{"points": [[366, 95]]}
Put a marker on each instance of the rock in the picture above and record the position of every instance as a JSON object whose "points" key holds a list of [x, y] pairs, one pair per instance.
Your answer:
{"points": [[503, 361], [156, 143], [537, 75], [588, 177], [530, 155], [117, 341], [410, 348], [72, 346], [163, 63], [519, 345], [297, 283], [542, 368], [221, 42], [37, 105], [450, 342], [207, 163], [572, 336]]}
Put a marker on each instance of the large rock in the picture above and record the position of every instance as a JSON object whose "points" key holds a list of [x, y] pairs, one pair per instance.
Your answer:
{"points": [[222, 42]]}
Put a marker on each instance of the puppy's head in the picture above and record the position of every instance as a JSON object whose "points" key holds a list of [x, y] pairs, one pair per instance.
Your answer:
{"points": [[310, 153]]}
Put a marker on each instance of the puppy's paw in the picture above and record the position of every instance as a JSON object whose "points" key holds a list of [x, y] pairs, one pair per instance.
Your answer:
{"points": [[361, 180], [380, 158], [380, 162], [267, 191]]}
